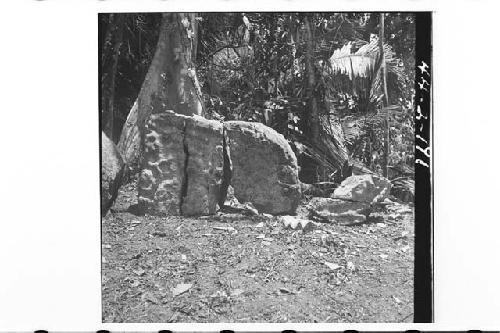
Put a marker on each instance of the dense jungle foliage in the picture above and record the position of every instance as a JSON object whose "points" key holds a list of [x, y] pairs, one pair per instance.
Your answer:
{"points": [[338, 86]]}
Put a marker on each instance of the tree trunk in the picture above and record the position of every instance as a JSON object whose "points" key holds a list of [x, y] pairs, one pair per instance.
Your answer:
{"points": [[105, 54], [312, 114], [383, 72], [325, 153], [109, 64], [112, 81], [171, 81]]}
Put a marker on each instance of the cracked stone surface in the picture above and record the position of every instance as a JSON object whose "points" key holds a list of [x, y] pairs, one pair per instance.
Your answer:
{"points": [[264, 167], [205, 163], [189, 162], [162, 165]]}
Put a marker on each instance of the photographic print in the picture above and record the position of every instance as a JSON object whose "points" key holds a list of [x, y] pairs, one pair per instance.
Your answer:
{"points": [[266, 167]]}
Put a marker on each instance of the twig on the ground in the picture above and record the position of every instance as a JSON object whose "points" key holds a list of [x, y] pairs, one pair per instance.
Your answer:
{"points": [[406, 317]]}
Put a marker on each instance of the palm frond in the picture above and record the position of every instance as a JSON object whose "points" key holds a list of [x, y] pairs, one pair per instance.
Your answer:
{"points": [[362, 63], [358, 64], [365, 63]]}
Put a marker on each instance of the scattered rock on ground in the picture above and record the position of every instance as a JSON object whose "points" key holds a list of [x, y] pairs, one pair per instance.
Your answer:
{"points": [[339, 211], [264, 167], [111, 173], [363, 188]]}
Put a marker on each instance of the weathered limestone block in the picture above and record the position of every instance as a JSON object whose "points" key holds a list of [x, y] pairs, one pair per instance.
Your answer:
{"points": [[205, 161], [339, 211], [264, 167], [112, 169], [364, 188], [163, 161]]}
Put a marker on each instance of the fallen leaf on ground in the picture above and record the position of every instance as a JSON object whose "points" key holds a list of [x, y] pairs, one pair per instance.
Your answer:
{"points": [[295, 223], [181, 288], [237, 292], [286, 291], [225, 228], [332, 266], [174, 317], [135, 283], [259, 225], [261, 236], [150, 297], [219, 293], [384, 256], [139, 272], [351, 266]]}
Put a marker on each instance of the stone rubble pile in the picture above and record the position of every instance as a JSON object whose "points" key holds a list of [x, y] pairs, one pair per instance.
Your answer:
{"points": [[353, 201]]}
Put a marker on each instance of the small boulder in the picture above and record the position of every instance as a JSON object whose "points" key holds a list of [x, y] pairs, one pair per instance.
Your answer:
{"points": [[339, 211], [112, 170], [363, 188], [264, 167]]}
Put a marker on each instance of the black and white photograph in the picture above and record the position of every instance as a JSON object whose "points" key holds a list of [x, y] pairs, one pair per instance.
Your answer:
{"points": [[249, 166], [265, 167]]}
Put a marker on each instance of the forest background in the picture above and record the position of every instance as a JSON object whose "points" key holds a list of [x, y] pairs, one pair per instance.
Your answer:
{"points": [[338, 86]]}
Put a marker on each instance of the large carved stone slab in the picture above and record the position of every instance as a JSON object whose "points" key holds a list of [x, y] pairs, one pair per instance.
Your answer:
{"points": [[205, 161], [163, 160], [264, 167]]}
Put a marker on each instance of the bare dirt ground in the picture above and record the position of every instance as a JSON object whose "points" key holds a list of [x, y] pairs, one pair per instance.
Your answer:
{"points": [[236, 268]]}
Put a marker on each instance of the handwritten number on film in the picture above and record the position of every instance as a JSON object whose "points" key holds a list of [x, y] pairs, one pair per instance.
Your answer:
{"points": [[423, 144]]}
